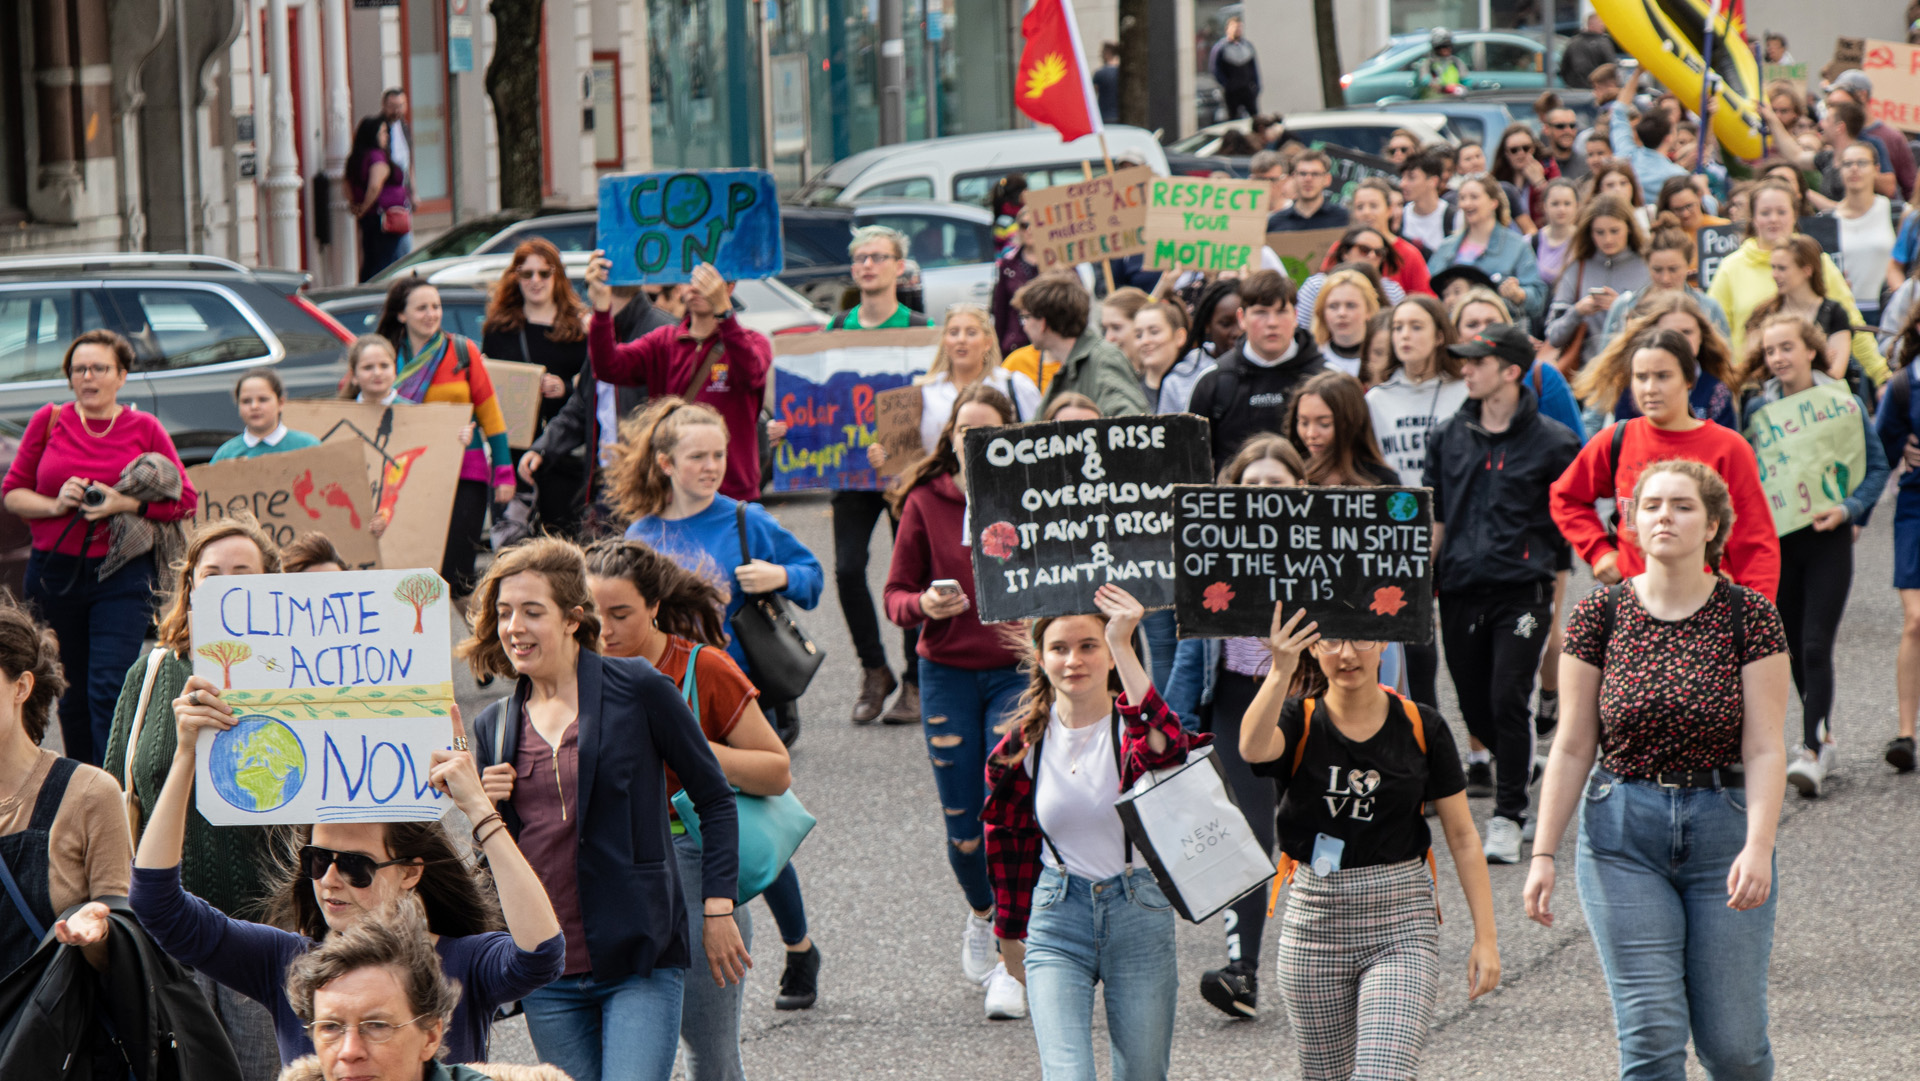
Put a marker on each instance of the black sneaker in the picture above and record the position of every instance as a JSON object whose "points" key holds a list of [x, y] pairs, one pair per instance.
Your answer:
{"points": [[1479, 780], [800, 983], [1900, 754], [1231, 990], [786, 722], [1546, 717]]}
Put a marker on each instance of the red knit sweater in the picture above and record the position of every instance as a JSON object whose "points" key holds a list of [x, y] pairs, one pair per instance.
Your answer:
{"points": [[44, 463], [1752, 557], [928, 547]]}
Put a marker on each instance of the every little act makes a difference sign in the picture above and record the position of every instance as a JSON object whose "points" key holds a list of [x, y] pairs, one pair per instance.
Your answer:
{"points": [[342, 689]]}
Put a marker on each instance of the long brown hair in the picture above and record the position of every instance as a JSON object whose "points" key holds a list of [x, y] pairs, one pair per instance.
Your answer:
{"points": [[689, 606], [1606, 206], [457, 898], [1605, 377], [506, 307], [564, 568], [1034, 708], [942, 461], [27, 648], [1445, 364], [1353, 440], [176, 627], [1805, 251], [1757, 371], [1639, 197], [636, 484], [1267, 446]]}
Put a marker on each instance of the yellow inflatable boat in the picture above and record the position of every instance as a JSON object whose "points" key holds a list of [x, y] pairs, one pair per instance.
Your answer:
{"points": [[1667, 37]]}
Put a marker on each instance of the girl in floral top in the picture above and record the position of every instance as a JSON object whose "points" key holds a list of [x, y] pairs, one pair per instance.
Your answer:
{"points": [[1678, 679]]}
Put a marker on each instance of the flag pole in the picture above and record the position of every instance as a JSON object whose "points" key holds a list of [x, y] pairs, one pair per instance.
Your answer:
{"points": [[1706, 88]]}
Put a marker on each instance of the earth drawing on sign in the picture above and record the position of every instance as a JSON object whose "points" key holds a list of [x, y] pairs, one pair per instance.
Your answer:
{"points": [[258, 764]]}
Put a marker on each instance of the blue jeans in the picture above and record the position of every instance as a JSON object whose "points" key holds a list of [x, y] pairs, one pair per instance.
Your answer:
{"points": [[1162, 641], [710, 1015], [789, 909], [631, 1026], [101, 626], [1652, 870], [1117, 933], [959, 710]]}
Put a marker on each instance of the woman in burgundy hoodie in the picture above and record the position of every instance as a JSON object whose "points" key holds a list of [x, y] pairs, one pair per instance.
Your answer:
{"points": [[969, 673]]}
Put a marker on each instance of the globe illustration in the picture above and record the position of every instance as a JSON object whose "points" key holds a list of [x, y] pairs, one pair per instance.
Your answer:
{"points": [[1403, 507], [258, 764]]}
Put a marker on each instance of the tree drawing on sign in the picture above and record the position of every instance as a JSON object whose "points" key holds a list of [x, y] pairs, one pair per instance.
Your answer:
{"points": [[418, 590], [226, 653]]}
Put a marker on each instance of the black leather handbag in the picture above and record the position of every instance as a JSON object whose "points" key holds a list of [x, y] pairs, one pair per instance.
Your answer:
{"points": [[781, 658]]}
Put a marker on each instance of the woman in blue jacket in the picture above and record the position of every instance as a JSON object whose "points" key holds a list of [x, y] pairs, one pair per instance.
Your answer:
{"points": [[666, 475], [1486, 240]]}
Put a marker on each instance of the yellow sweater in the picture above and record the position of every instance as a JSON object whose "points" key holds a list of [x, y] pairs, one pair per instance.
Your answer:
{"points": [[1745, 281]]}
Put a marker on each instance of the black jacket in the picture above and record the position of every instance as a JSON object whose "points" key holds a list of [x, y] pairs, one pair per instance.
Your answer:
{"points": [[1490, 491], [1242, 399], [577, 425], [59, 1019], [633, 723], [1584, 53]]}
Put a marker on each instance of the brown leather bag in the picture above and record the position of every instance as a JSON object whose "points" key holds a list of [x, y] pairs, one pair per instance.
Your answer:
{"points": [[1569, 361]]}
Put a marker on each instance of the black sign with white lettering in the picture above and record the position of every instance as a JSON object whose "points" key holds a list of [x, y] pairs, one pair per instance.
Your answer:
{"points": [[1357, 559], [1055, 511]]}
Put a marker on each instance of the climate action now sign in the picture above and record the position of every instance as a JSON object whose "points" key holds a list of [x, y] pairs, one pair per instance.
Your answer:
{"points": [[656, 227], [1357, 559], [1205, 224]]}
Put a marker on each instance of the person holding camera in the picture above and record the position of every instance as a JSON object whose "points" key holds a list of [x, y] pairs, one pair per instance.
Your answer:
{"points": [[103, 492]]}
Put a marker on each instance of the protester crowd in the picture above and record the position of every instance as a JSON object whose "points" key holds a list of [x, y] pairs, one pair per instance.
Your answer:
{"points": [[1517, 328]]}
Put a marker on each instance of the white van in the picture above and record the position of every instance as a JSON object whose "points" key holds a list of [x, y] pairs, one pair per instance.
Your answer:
{"points": [[963, 168]]}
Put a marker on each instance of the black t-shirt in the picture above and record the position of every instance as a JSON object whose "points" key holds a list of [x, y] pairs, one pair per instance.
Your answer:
{"points": [[563, 359], [1832, 317], [1367, 794]]}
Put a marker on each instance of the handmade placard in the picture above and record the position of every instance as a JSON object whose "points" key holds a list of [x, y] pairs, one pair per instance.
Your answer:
{"points": [[897, 428], [412, 456], [826, 387], [1200, 223], [517, 386], [316, 489], [656, 227], [342, 687], [1357, 559], [1101, 218], [1812, 453], [1055, 511]]}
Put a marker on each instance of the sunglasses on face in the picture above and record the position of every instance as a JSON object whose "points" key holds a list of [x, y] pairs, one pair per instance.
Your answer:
{"points": [[355, 868], [528, 274], [1365, 249], [1567, 125], [1520, 148]]}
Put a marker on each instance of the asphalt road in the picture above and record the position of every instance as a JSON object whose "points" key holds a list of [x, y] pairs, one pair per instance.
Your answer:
{"points": [[887, 916]]}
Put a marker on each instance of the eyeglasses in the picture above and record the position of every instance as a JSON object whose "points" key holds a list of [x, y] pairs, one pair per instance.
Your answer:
{"points": [[1310, 174], [355, 868], [328, 1033], [870, 257], [1565, 125], [527, 275], [1335, 645], [86, 370], [1856, 164]]}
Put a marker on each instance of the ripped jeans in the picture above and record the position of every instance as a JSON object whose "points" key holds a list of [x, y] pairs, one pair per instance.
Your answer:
{"points": [[959, 710]]}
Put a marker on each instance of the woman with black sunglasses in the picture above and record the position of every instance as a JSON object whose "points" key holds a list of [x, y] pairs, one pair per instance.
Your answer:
{"points": [[344, 872]]}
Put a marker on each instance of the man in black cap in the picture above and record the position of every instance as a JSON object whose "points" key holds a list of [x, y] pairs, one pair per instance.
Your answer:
{"points": [[1490, 466]]}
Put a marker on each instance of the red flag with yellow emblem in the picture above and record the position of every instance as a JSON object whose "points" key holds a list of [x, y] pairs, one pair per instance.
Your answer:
{"points": [[1051, 84]]}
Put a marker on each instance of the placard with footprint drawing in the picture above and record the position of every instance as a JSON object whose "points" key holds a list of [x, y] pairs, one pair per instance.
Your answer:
{"points": [[320, 488]]}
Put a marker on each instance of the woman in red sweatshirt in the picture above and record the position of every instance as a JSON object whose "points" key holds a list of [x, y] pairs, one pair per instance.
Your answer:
{"points": [[1664, 370], [969, 673]]}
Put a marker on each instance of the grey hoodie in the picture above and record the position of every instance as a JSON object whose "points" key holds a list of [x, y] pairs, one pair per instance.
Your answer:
{"points": [[1623, 273], [1176, 387]]}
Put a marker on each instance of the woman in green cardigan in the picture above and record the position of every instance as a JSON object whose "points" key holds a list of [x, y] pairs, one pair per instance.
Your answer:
{"points": [[260, 396], [231, 867]]}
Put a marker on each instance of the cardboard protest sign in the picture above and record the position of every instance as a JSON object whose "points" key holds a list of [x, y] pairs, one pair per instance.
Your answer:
{"points": [[1812, 452], [1894, 68], [1356, 559], [826, 388], [517, 386], [897, 428], [1197, 223], [1713, 243], [1097, 219], [1304, 250], [341, 687], [321, 488], [1055, 511], [412, 454], [1349, 167], [656, 227], [1847, 53]]}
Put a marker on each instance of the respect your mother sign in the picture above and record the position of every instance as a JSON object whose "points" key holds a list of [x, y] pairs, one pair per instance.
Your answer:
{"points": [[341, 687]]}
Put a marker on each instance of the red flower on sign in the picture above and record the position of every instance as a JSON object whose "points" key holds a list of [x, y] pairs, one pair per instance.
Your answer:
{"points": [[1387, 601], [1000, 540], [1216, 597]]}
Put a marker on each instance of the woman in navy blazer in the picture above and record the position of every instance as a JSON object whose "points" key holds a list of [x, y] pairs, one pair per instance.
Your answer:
{"points": [[576, 763]]}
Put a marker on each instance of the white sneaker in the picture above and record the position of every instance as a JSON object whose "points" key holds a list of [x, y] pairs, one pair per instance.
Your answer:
{"points": [[978, 952], [1006, 996], [1806, 772], [1503, 840]]}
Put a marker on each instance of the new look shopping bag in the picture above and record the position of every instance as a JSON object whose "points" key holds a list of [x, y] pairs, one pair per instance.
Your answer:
{"points": [[1194, 837]]}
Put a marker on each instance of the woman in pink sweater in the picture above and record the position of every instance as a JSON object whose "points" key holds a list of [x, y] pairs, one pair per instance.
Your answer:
{"points": [[103, 491], [969, 673]]}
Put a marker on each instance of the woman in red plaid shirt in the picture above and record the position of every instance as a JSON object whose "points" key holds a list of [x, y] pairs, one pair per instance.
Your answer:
{"points": [[1064, 876]]}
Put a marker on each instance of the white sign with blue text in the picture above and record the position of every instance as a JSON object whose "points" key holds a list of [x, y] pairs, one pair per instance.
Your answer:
{"points": [[342, 686]]}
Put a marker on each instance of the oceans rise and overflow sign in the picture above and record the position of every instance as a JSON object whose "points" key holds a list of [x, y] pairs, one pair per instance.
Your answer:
{"points": [[1057, 510], [1357, 559], [342, 689], [1205, 224], [1101, 218]]}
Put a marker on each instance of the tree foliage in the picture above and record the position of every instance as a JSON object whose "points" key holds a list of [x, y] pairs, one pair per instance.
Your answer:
{"points": [[418, 590], [226, 653]]}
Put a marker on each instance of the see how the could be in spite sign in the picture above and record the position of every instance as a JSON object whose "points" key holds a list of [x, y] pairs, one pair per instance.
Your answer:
{"points": [[1358, 560], [341, 687]]}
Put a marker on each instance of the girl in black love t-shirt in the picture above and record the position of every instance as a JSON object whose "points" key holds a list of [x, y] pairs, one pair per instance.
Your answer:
{"points": [[1360, 944]]}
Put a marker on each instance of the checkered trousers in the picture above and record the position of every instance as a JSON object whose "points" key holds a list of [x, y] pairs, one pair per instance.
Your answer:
{"points": [[1360, 966]]}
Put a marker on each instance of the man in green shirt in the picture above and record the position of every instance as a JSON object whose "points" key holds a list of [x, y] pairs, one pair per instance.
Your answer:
{"points": [[878, 254]]}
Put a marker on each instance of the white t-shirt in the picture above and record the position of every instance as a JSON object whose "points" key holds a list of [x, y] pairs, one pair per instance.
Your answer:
{"points": [[1866, 244], [936, 402], [1076, 789], [1427, 230]]}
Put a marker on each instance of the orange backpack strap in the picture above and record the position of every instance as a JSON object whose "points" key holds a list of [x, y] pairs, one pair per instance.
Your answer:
{"points": [[1287, 864]]}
